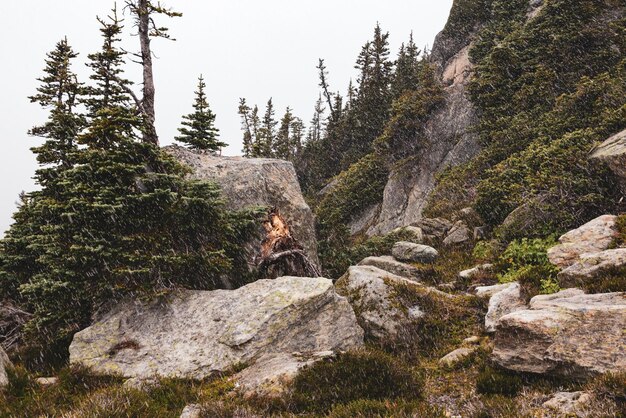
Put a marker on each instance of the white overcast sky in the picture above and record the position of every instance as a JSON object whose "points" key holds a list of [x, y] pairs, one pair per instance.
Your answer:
{"points": [[244, 48]]}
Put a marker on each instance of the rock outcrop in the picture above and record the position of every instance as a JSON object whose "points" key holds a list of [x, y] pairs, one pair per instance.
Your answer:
{"points": [[370, 291], [503, 299], [612, 152], [595, 236], [5, 363], [394, 266], [569, 404], [458, 234], [415, 253], [193, 334], [592, 266], [567, 334], [248, 182]]}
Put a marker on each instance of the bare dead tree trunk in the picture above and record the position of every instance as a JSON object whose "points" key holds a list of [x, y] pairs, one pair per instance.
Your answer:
{"points": [[281, 254], [143, 23]]}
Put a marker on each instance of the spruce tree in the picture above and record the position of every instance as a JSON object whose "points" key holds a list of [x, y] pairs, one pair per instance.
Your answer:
{"points": [[406, 75], [268, 131], [198, 130], [244, 113], [297, 136], [282, 145]]}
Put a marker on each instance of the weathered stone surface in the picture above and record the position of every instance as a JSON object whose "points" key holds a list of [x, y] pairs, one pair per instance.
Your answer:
{"points": [[595, 236], [394, 266], [612, 152], [570, 404], [416, 234], [592, 266], [47, 381], [270, 377], [476, 272], [566, 334], [457, 356], [193, 334], [364, 220], [501, 303], [5, 363], [459, 234], [489, 291], [418, 253], [434, 228], [372, 293], [248, 182], [192, 411]]}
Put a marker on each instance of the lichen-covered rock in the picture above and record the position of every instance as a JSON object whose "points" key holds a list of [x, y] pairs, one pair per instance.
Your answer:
{"points": [[370, 292], [592, 266], [612, 152], [569, 404], [504, 300], [458, 234], [5, 363], [457, 356], [434, 228], [566, 334], [394, 266], [192, 411], [417, 253], [377, 298], [595, 236], [248, 182], [476, 272], [193, 334], [270, 376], [415, 233]]}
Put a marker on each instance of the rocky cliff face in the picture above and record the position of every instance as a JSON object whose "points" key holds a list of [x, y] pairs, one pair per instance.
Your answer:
{"points": [[449, 142], [248, 182]]}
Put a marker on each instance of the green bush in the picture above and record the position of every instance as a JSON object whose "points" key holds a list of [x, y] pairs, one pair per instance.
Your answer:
{"points": [[526, 261], [358, 375], [492, 381]]}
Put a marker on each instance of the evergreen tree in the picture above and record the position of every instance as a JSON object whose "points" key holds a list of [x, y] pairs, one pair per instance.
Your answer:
{"points": [[317, 122], [297, 136], [257, 140], [282, 145], [244, 113], [267, 132], [199, 131], [406, 75], [59, 92]]}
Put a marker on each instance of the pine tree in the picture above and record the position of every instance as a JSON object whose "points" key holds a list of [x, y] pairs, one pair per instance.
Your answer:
{"points": [[267, 133], [199, 131], [406, 76], [59, 92], [244, 113], [282, 145]]}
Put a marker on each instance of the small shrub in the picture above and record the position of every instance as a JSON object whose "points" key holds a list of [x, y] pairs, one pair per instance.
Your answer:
{"points": [[358, 375], [497, 382], [612, 280], [395, 409], [486, 251]]}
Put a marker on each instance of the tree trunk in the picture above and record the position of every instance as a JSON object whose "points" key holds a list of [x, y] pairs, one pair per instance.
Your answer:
{"points": [[143, 18], [281, 254]]}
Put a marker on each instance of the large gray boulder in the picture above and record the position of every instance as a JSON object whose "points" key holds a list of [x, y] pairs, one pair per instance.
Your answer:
{"points": [[594, 236], [566, 334], [612, 152], [248, 182], [5, 363], [194, 334]]}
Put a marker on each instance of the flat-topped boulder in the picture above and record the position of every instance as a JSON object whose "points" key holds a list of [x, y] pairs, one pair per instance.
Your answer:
{"points": [[194, 334], [503, 299], [249, 182], [567, 334], [594, 236], [416, 253], [394, 266]]}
